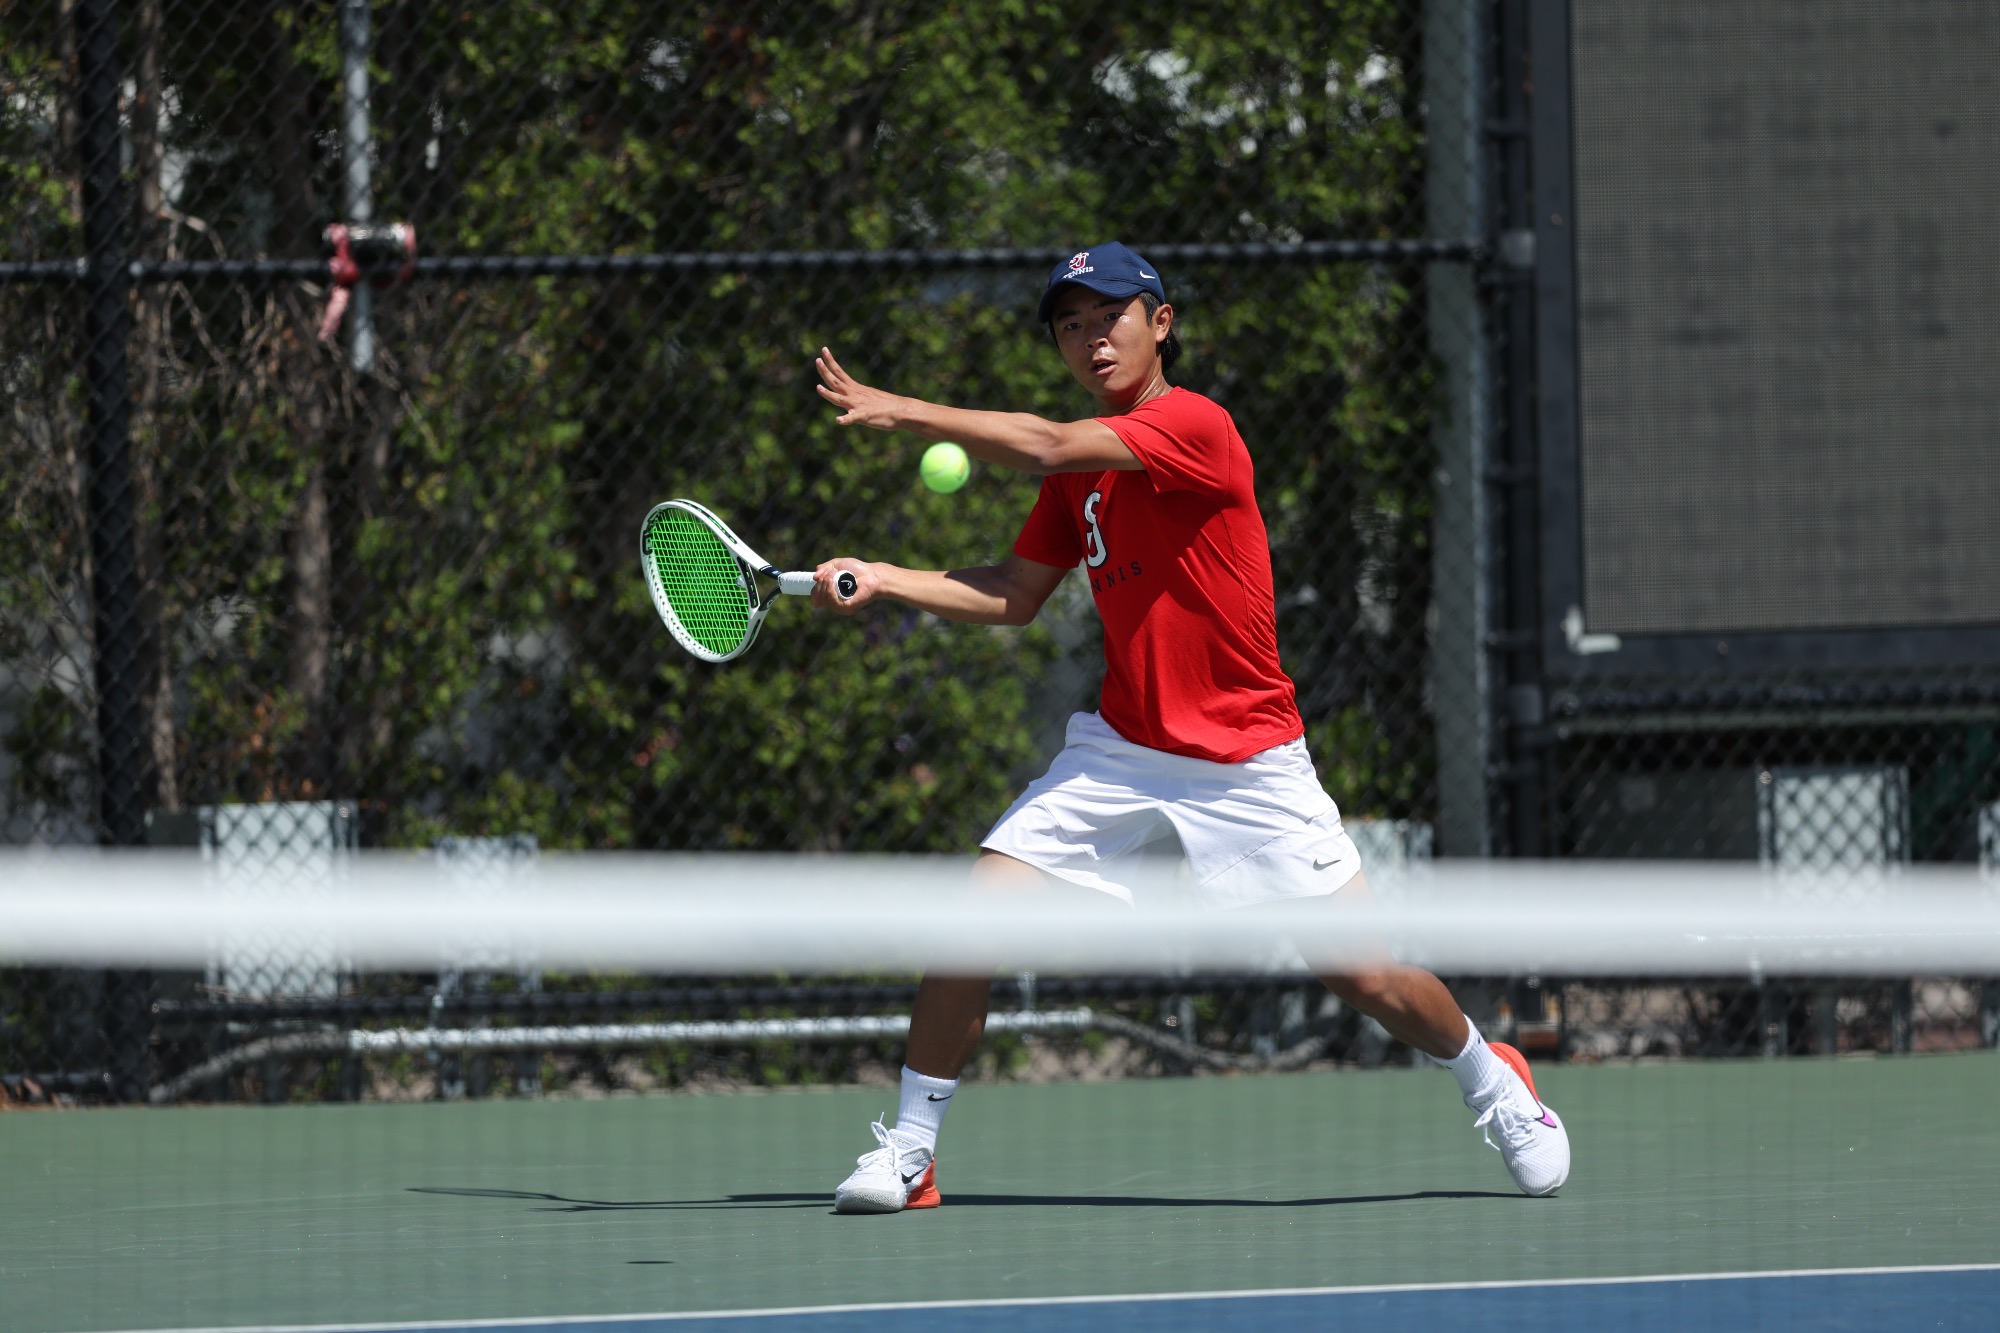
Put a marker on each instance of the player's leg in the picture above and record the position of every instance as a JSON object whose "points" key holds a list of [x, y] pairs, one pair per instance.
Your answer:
{"points": [[1411, 1004], [946, 1026], [949, 1017], [1417, 1009], [1264, 831], [1065, 834]]}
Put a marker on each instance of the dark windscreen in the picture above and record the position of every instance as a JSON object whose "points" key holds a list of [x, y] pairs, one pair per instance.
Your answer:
{"points": [[1788, 266]]}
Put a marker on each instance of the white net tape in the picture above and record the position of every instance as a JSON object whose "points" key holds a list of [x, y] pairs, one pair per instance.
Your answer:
{"points": [[715, 914]]}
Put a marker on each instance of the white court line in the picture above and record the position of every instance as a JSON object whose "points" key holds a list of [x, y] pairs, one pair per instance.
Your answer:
{"points": [[1032, 1302]]}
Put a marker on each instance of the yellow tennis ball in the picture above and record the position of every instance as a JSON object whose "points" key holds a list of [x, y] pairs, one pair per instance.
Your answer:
{"points": [[945, 468]]}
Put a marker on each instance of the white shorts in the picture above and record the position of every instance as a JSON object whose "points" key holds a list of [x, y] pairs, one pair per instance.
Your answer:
{"points": [[1258, 831]]}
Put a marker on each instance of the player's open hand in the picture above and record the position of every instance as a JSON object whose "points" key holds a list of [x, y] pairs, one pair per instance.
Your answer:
{"points": [[867, 584], [859, 404]]}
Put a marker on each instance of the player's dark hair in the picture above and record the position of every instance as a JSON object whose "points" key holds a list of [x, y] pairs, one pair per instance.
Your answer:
{"points": [[1170, 350]]}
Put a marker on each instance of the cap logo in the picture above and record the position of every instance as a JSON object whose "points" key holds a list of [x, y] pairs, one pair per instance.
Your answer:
{"points": [[1079, 262]]}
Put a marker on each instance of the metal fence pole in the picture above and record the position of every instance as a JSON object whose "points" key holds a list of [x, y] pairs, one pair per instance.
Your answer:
{"points": [[1516, 641], [357, 193], [122, 761], [112, 503], [1456, 37]]}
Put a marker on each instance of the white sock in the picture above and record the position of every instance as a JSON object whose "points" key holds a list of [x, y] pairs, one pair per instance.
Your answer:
{"points": [[1476, 1068], [920, 1115]]}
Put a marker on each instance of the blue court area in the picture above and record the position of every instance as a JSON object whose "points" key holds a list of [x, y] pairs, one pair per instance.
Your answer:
{"points": [[1839, 1302], [1808, 1194]]}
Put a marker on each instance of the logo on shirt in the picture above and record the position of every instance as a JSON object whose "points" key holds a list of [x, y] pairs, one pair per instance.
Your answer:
{"points": [[1097, 555], [1094, 554]]}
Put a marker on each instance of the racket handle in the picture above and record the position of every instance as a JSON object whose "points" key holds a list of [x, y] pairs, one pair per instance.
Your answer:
{"points": [[800, 584]]}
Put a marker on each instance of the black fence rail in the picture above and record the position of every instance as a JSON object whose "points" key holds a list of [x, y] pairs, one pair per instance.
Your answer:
{"points": [[426, 1037]]}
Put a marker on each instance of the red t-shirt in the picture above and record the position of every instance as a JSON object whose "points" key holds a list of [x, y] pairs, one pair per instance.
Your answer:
{"points": [[1180, 566]]}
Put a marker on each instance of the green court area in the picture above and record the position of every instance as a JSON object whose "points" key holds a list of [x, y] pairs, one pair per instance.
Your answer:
{"points": [[320, 1214]]}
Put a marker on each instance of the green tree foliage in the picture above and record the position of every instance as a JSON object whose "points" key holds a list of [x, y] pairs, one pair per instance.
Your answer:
{"points": [[419, 586]]}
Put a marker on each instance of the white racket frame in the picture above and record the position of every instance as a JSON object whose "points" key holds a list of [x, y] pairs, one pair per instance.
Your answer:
{"points": [[792, 583]]}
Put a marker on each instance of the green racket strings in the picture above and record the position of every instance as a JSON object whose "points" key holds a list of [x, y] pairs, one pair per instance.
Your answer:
{"points": [[701, 578]]}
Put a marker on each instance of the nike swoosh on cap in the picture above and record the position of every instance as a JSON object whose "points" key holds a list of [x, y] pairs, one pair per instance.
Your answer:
{"points": [[1154, 276]]}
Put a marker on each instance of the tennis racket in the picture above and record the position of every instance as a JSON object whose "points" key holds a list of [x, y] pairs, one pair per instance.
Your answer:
{"points": [[703, 578]]}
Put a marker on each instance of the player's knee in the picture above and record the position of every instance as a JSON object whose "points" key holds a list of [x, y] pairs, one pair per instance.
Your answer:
{"points": [[998, 873], [1368, 991]]}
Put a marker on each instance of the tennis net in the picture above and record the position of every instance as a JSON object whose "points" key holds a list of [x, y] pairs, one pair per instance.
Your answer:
{"points": [[396, 1089]]}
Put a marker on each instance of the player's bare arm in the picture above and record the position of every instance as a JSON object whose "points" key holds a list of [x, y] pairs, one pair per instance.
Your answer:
{"points": [[1009, 593], [1017, 440]]}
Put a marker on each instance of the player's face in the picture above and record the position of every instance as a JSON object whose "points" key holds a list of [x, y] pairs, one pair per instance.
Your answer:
{"points": [[1109, 344]]}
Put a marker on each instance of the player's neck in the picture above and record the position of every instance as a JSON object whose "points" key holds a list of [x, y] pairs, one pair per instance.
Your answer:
{"points": [[1146, 393]]}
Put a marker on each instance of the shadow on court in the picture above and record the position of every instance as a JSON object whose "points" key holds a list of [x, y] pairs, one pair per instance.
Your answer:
{"points": [[558, 1203]]}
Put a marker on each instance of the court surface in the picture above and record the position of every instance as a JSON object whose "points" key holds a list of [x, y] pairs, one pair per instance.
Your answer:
{"points": [[1353, 1199]]}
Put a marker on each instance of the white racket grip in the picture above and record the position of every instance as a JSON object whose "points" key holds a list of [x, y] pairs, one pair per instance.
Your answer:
{"points": [[800, 584]]}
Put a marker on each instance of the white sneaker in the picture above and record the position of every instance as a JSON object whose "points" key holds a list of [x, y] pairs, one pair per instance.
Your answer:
{"points": [[896, 1176], [1533, 1141]]}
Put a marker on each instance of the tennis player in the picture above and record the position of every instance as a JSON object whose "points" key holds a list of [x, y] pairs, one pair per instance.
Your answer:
{"points": [[1197, 736]]}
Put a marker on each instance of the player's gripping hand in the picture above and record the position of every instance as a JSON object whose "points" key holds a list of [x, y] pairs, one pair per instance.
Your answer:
{"points": [[867, 584], [860, 405]]}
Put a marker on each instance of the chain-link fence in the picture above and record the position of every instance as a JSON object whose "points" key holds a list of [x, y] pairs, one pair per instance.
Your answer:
{"points": [[355, 536], [411, 585]]}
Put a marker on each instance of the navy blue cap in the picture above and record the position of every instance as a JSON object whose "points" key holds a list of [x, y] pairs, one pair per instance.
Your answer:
{"points": [[1109, 269]]}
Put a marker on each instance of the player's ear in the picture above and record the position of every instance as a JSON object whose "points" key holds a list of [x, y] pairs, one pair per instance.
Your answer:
{"points": [[1163, 322]]}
